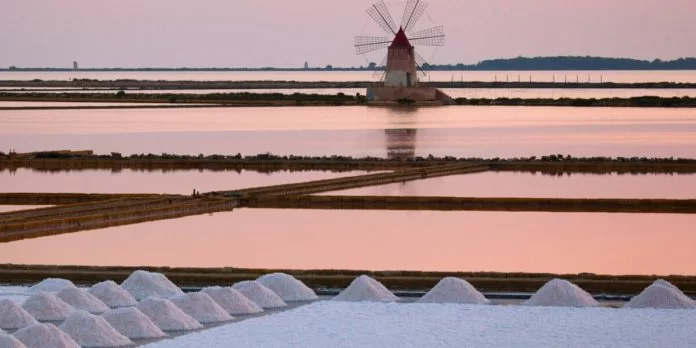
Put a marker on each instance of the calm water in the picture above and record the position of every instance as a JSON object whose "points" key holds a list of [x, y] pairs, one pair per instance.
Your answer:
{"points": [[383, 240], [485, 76], [359, 131]]}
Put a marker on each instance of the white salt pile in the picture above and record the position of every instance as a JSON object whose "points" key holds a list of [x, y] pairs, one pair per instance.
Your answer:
{"points": [[287, 287], [454, 290], [167, 316], [232, 300], [365, 288], [201, 307], [661, 294], [93, 331], [132, 323], [7, 341], [13, 317], [52, 285], [47, 307], [45, 335], [143, 284], [82, 300], [113, 295], [561, 293], [261, 295]]}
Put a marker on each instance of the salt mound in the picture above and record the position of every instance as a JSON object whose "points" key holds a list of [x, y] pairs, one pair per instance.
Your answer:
{"points": [[167, 316], [143, 284], [93, 331], [263, 296], [232, 300], [561, 293], [13, 317], [7, 341], [663, 295], [47, 307], [112, 294], [288, 287], [52, 285], [43, 336], [201, 307], [454, 290], [82, 300], [132, 323], [365, 288]]}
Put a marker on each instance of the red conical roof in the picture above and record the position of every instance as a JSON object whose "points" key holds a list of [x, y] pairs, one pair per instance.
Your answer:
{"points": [[401, 40]]}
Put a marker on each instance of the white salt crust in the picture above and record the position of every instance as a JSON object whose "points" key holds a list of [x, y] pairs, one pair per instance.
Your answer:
{"points": [[132, 323], [44, 306], [52, 285], [287, 287], [454, 290], [167, 316], [82, 300], [201, 307], [44, 336], [232, 300], [112, 294], [143, 284], [261, 295], [89, 330], [9, 341], [561, 293], [365, 288], [13, 317], [663, 295]]}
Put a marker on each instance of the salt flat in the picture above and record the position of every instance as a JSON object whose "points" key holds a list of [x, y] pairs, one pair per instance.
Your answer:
{"points": [[338, 324]]}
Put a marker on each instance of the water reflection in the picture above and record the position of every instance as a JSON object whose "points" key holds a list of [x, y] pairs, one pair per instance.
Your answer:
{"points": [[401, 140]]}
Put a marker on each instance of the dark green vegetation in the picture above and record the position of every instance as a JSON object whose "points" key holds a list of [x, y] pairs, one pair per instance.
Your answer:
{"points": [[646, 101]]}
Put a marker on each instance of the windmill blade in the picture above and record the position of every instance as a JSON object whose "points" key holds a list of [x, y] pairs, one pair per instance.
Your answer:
{"points": [[420, 62], [366, 44], [412, 13], [381, 71], [380, 14], [434, 36]]}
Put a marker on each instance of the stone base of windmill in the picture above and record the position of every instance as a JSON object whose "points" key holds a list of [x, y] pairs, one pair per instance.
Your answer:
{"points": [[384, 95]]}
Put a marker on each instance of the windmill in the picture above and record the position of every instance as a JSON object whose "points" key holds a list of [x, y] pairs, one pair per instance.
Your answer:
{"points": [[402, 65]]}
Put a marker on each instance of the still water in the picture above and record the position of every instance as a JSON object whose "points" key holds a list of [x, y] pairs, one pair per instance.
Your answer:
{"points": [[462, 131], [384, 240]]}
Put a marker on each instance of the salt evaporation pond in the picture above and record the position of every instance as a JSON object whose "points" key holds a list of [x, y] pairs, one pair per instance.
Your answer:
{"points": [[93, 331], [82, 300], [287, 287], [561, 293], [232, 300], [112, 294], [261, 295], [365, 288], [45, 335], [454, 290], [144, 284], [44, 306], [13, 317], [167, 315], [201, 307], [663, 295], [133, 323]]}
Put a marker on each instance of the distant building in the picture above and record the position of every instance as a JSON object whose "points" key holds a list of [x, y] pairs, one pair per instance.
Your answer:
{"points": [[75, 66], [306, 66]]}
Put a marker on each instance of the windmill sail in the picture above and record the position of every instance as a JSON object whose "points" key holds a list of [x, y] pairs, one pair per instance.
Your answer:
{"points": [[380, 14], [429, 37], [412, 13], [366, 44]]}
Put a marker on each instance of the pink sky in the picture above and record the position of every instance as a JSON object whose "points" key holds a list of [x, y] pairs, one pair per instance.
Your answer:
{"points": [[174, 33]]}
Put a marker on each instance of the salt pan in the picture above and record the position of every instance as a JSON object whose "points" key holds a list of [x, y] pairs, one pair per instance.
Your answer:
{"points": [[365, 288], [167, 316], [45, 335], [561, 293], [82, 300], [454, 290], [263, 296], [52, 285], [201, 307], [47, 307], [93, 331], [287, 287], [132, 323], [232, 300], [661, 294], [7, 341], [143, 284], [13, 317], [113, 295]]}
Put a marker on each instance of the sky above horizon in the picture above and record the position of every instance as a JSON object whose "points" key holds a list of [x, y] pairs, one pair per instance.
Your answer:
{"points": [[282, 33]]}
